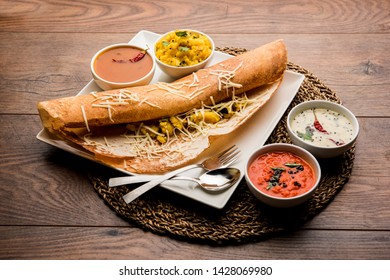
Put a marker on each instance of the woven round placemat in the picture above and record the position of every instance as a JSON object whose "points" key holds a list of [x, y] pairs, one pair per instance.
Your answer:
{"points": [[244, 218]]}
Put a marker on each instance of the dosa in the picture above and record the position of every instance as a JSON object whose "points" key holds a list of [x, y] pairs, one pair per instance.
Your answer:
{"points": [[100, 122], [252, 69]]}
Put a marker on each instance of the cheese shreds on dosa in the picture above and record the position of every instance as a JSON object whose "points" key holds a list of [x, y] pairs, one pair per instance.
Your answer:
{"points": [[252, 69], [160, 127]]}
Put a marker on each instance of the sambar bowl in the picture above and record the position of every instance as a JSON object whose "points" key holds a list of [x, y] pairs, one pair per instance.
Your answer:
{"points": [[122, 66]]}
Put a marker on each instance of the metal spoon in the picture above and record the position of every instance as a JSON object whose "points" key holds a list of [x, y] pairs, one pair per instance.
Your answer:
{"points": [[222, 160], [215, 180]]}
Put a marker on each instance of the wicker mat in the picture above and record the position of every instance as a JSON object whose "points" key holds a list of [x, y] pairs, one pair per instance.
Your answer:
{"points": [[243, 219]]}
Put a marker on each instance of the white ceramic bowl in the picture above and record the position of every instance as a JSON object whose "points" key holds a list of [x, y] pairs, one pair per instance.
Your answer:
{"points": [[319, 151], [108, 85], [281, 202], [181, 71]]}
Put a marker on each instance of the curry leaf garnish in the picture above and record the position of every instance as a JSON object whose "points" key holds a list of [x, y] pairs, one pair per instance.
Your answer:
{"points": [[181, 33], [276, 177], [278, 168], [292, 165], [307, 135]]}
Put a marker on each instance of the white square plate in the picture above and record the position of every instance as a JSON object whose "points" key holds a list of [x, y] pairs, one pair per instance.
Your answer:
{"points": [[249, 137]]}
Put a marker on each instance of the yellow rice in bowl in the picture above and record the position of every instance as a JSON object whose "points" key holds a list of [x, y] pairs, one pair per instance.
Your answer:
{"points": [[183, 48]]}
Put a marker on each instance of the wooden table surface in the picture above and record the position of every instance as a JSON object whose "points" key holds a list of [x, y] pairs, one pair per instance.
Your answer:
{"points": [[48, 208]]}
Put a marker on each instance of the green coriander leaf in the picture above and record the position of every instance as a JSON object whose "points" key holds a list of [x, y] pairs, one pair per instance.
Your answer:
{"points": [[184, 49], [181, 33], [307, 135]]}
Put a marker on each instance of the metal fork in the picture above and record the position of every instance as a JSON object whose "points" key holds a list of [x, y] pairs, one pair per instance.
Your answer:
{"points": [[222, 160], [230, 154]]}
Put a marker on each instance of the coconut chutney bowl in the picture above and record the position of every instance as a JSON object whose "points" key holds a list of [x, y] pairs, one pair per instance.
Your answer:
{"points": [[324, 128]]}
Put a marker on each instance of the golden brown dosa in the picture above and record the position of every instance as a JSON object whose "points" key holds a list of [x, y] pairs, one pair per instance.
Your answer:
{"points": [[112, 147], [98, 121], [255, 68]]}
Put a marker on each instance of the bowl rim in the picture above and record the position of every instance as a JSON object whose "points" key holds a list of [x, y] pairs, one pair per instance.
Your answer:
{"points": [[289, 147], [190, 66], [118, 45], [351, 116]]}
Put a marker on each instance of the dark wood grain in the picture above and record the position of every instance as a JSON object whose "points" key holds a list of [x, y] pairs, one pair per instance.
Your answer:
{"points": [[48, 208], [34, 242], [49, 73], [227, 17]]}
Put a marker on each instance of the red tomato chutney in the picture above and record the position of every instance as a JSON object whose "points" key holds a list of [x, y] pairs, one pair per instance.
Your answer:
{"points": [[281, 174], [123, 64]]}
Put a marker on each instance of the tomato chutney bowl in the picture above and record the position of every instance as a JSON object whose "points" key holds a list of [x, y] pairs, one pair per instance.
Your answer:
{"points": [[282, 175]]}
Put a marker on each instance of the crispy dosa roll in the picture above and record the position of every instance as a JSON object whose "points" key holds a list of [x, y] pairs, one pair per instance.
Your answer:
{"points": [[234, 76]]}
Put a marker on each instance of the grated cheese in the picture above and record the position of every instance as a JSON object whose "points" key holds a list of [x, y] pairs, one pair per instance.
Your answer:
{"points": [[143, 145], [171, 89], [198, 91], [225, 78], [93, 93], [125, 96], [85, 118], [212, 100], [122, 98], [152, 130], [195, 81]]}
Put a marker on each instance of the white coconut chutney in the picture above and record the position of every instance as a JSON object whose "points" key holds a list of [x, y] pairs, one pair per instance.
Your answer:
{"points": [[322, 127]]}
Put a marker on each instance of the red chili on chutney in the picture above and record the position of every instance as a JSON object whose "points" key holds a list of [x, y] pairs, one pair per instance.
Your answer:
{"points": [[281, 174]]}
